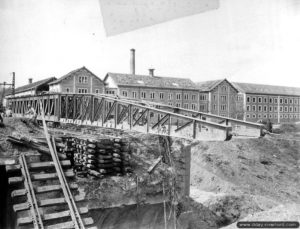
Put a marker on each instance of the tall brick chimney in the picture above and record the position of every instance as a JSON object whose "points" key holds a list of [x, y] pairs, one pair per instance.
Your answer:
{"points": [[151, 72], [29, 80], [132, 61]]}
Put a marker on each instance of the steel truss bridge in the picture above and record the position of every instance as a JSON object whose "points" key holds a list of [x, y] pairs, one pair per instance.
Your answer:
{"points": [[142, 116]]}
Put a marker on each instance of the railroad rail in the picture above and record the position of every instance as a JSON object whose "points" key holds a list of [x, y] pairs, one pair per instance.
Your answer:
{"points": [[121, 113], [44, 210]]}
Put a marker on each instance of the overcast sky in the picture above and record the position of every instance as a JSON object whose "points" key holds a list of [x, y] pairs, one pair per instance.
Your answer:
{"points": [[255, 41]]}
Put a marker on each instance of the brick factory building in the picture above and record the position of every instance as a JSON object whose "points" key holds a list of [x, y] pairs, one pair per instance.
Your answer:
{"points": [[179, 92], [251, 102], [79, 81]]}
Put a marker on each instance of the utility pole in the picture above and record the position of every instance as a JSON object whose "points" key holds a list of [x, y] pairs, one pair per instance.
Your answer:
{"points": [[12, 84]]}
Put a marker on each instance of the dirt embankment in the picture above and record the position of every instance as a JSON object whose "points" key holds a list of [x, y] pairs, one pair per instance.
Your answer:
{"points": [[244, 177]]}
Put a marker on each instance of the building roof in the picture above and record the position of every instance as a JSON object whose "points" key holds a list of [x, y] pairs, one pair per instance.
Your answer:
{"points": [[151, 81], [267, 89], [33, 85], [74, 72], [206, 86]]}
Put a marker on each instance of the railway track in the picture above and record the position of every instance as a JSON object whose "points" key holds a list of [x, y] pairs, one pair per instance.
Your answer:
{"points": [[39, 197], [42, 181]]}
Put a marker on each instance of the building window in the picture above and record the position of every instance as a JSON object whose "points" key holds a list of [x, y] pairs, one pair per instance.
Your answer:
{"points": [[224, 88], [295, 109], [223, 107], [253, 100], [248, 108], [134, 94], [253, 116], [286, 116], [161, 95], [82, 79], [259, 115], [275, 109], [125, 93], [178, 104], [295, 101], [82, 90], [259, 99], [275, 116], [291, 109], [186, 106], [265, 100], [215, 107], [285, 109], [204, 97], [170, 96], [239, 98], [152, 95], [215, 97], [97, 91], [281, 101], [285, 101], [248, 99], [295, 116], [223, 98], [259, 108], [270, 116], [67, 90], [170, 104], [202, 107], [143, 95], [270, 100], [193, 106], [276, 101], [178, 96], [254, 108], [281, 108], [193, 97], [265, 108], [248, 116], [186, 96], [270, 108], [291, 116], [291, 101]]}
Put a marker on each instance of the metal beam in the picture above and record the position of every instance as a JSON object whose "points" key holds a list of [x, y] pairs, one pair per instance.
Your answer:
{"points": [[144, 112]]}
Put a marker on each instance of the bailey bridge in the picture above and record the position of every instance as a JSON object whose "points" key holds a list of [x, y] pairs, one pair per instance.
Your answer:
{"points": [[143, 116]]}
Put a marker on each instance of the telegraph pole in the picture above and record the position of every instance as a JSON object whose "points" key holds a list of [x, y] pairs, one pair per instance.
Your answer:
{"points": [[12, 84]]}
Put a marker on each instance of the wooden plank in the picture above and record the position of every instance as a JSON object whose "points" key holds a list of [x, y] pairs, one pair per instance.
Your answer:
{"points": [[51, 216], [19, 192], [50, 188], [42, 189], [56, 215], [155, 163], [37, 165], [50, 176], [57, 201], [48, 164], [70, 224], [21, 207], [15, 180]]}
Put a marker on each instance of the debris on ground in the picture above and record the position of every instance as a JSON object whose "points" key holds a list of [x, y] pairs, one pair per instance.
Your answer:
{"points": [[243, 177]]}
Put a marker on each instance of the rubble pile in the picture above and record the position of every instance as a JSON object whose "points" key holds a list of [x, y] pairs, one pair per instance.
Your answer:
{"points": [[99, 157]]}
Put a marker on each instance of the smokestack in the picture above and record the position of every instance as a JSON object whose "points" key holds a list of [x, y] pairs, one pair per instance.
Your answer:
{"points": [[151, 72], [132, 61], [30, 81]]}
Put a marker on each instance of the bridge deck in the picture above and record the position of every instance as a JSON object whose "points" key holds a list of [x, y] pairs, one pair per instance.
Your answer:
{"points": [[142, 116]]}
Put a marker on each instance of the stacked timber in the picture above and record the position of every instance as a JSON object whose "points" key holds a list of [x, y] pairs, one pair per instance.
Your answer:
{"points": [[99, 157]]}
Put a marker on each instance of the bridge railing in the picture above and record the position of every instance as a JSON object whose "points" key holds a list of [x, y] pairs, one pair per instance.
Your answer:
{"points": [[113, 112]]}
